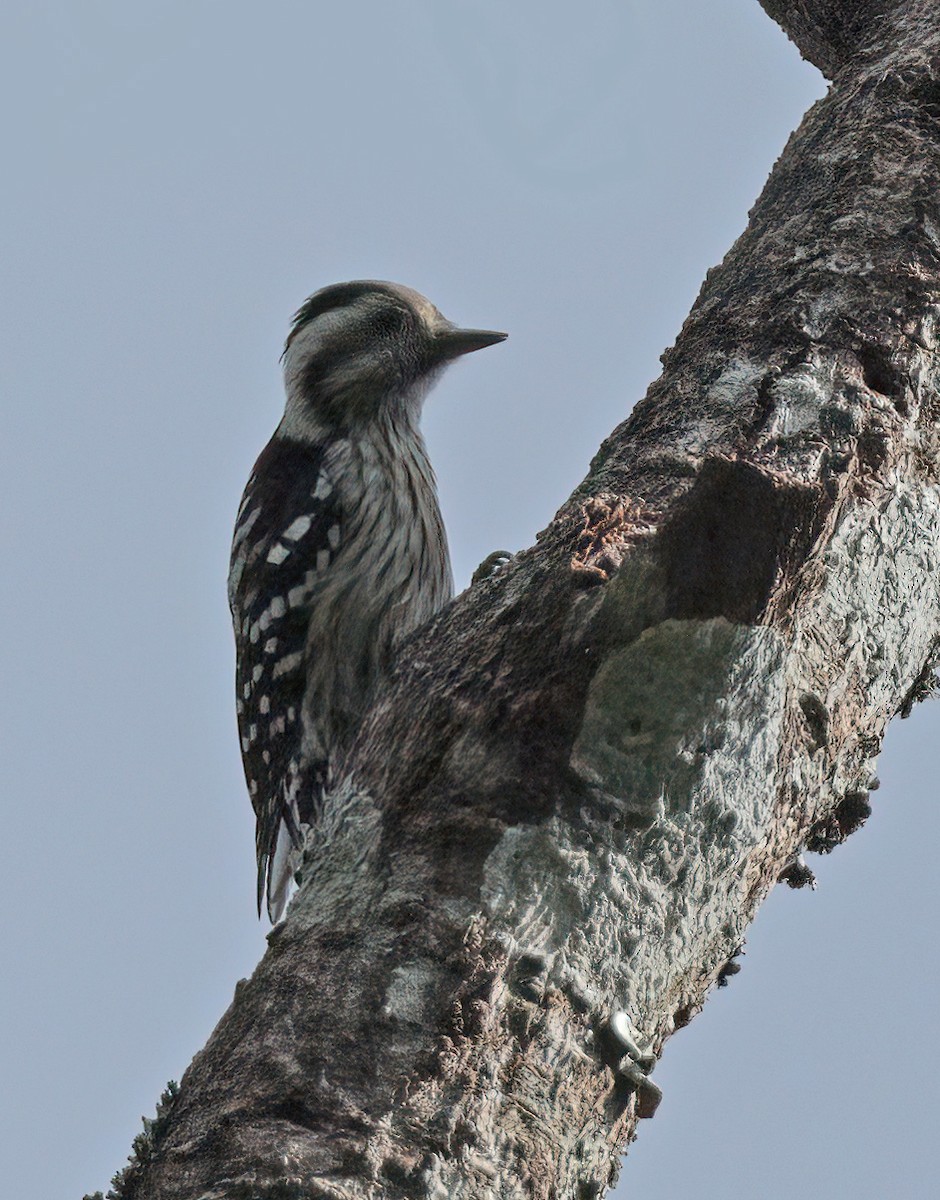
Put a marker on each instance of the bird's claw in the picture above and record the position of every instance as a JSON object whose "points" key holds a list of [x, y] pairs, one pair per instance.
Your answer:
{"points": [[492, 565]]}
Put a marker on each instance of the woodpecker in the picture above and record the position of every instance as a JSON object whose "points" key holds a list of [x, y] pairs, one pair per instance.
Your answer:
{"points": [[339, 548]]}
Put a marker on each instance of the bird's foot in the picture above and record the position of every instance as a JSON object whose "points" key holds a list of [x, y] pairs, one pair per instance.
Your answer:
{"points": [[492, 565]]}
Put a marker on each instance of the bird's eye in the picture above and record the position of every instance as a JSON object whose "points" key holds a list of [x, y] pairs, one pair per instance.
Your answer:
{"points": [[390, 322]]}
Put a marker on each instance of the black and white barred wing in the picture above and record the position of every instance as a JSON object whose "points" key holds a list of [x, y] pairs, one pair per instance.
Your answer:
{"points": [[287, 531]]}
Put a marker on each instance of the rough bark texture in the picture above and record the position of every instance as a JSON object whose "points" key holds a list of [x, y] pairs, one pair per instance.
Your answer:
{"points": [[592, 768], [830, 33]]}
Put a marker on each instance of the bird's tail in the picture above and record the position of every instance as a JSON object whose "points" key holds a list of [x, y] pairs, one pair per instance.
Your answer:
{"points": [[281, 871], [301, 793]]}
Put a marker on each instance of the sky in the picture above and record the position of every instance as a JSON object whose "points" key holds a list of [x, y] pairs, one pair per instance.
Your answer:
{"points": [[178, 178]]}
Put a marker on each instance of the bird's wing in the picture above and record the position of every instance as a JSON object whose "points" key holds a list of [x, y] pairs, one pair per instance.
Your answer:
{"points": [[288, 529]]}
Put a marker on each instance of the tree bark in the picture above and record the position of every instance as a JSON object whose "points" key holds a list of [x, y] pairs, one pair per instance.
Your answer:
{"points": [[587, 773]]}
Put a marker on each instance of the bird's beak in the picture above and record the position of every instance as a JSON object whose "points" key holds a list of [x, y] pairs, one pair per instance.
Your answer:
{"points": [[451, 343]]}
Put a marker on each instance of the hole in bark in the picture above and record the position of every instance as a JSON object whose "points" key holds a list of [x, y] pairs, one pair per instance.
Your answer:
{"points": [[881, 375], [397, 1172], [926, 98], [817, 718], [738, 534], [296, 1111], [530, 964], [872, 450], [528, 977]]}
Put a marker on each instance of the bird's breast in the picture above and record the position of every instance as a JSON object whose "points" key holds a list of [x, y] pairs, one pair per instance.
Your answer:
{"points": [[391, 574]]}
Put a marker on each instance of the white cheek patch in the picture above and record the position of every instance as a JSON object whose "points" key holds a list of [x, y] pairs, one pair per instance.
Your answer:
{"points": [[313, 339], [346, 350]]}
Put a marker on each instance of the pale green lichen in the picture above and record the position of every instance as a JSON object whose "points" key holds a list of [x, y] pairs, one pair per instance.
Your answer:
{"points": [[657, 709]]}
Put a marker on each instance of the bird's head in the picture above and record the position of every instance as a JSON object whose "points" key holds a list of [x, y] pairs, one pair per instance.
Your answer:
{"points": [[359, 350]]}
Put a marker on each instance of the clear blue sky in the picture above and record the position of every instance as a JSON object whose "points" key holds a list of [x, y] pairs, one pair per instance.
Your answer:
{"points": [[177, 178]]}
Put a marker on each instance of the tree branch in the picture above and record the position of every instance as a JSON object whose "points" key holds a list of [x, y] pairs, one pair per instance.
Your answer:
{"points": [[831, 33], [588, 772]]}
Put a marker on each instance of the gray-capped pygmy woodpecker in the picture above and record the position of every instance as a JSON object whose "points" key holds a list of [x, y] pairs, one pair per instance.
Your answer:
{"points": [[339, 548]]}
